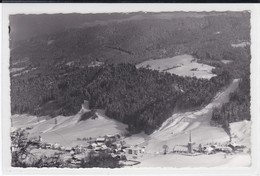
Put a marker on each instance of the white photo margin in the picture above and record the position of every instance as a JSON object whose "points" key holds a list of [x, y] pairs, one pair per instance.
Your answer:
{"points": [[52, 8]]}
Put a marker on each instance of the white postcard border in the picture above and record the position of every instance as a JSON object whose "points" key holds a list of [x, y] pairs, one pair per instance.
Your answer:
{"points": [[52, 8]]}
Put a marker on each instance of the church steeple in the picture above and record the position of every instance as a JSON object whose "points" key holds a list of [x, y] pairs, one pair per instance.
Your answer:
{"points": [[190, 150], [190, 136]]}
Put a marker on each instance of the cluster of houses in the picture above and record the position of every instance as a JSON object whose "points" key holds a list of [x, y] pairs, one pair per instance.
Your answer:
{"points": [[211, 148], [109, 143], [115, 146]]}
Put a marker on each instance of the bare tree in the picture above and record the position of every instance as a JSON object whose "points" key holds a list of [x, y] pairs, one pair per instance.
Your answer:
{"points": [[22, 156], [21, 151], [166, 148]]}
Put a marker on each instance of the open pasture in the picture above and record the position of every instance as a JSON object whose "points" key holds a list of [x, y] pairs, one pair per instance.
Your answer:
{"points": [[182, 65]]}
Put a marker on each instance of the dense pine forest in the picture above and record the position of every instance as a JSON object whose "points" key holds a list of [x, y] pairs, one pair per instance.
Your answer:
{"points": [[144, 99], [238, 107], [52, 90], [141, 98], [55, 76]]}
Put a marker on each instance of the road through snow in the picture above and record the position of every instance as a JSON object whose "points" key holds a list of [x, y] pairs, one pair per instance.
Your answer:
{"points": [[175, 130]]}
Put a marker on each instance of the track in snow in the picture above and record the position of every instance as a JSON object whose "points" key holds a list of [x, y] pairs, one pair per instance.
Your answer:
{"points": [[175, 130]]}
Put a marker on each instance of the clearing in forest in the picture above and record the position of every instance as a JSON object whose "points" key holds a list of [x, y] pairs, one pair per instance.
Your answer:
{"points": [[182, 65]]}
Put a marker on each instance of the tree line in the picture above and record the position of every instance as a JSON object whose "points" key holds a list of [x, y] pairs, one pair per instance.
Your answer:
{"points": [[141, 98], [238, 107], [144, 99]]}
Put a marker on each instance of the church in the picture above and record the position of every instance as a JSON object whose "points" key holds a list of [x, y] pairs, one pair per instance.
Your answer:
{"points": [[184, 148]]}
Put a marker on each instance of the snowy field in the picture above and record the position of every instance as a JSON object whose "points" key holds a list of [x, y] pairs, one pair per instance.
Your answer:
{"points": [[67, 132], [241, 45], [13, 70], [175, 160], [226, 61], [182, 65], [68, 129], [174, 131], [241, 132]]}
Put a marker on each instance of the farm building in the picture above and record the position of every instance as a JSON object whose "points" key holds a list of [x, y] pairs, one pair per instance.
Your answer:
{"points": [[124, 145], [135, 150], [115, 155], [62, 148], [119, 156], [116, 146], [236, 147], [180, 149], [100, 141], [116, 151], [47, 145], [110, 138], [55, 146], [78, 149], [208, 150], [92, 146], [14, 147], [67, 149], [98, 148], [226, 149], [103, 147]]}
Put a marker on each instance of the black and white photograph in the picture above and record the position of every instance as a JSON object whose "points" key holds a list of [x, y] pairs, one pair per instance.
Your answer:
{"points": [[141, 89]]}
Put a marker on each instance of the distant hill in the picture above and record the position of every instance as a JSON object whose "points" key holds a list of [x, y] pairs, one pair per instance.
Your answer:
{"points": [[133, 37], [24, 27]]}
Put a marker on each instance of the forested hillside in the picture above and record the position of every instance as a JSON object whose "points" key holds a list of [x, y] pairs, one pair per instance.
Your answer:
{"points": [[51, 90], [238, 107], [144, 99], [207, 36], [51, 72], [141, 98]]}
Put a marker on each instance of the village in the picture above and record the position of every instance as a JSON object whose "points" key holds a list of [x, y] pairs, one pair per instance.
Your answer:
{"points": [[111, 144], [193, 149], [127, 155]]}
